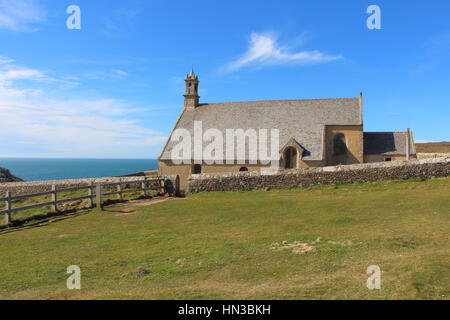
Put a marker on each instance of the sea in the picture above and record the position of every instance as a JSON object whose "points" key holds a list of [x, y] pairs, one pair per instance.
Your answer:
{"points": [[30, 169]]}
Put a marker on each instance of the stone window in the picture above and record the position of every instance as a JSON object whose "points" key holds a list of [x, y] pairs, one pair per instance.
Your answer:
{"points": [[290, 158], [339, 144], [387, 159], [197, 169], [243, 169]]}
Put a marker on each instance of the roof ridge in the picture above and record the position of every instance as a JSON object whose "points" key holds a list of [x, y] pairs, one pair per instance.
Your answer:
{"points": [[327, 99]]}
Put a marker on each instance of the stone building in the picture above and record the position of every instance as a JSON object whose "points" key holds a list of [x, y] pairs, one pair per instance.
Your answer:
{"points": [[312, 133]]}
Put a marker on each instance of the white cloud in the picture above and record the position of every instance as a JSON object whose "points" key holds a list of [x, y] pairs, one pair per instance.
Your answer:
{"points": [[120, 73], [10, 72], [264, 50], [112, 75], [20, 73], [70, 127], [5, 60], [21, 15]]}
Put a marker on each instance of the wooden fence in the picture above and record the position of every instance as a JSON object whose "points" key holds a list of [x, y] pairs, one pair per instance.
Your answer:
{"points": [[95, 192]]}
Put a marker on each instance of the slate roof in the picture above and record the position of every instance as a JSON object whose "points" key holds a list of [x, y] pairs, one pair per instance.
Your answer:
{"points": [[302, 120], [387, 143]]}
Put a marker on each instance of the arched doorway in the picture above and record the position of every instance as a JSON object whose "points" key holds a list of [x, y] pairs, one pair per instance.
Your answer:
{"points": [[243, 169], [290, 158], [339, 144]]}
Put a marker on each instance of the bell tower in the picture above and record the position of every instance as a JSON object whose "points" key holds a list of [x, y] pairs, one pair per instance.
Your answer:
{"points": [[191, 97]]}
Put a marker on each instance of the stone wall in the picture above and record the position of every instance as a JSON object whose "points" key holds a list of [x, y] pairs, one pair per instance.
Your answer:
{"points": [[298, 178], [22, 188], [432, 155], [185, 170]]}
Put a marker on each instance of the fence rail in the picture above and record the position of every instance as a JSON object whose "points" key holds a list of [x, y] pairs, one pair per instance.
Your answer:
{"points": [[95, 194]]}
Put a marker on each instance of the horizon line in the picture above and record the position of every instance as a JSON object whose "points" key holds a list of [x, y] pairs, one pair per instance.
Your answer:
{"points": [[69, 158]]}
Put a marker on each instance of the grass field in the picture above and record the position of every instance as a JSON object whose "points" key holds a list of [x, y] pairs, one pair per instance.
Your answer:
{"points": [[290, 244]]}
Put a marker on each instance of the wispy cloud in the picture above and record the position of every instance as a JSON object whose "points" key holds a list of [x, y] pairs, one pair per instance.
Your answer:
{"points": [[112, 75], [264, 50], [11, 72], [21, 15], [71, 127], [5, 60], [116, 20]]}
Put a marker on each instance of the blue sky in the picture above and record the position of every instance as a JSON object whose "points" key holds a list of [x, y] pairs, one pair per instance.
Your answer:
{"points": [[114, 88]]}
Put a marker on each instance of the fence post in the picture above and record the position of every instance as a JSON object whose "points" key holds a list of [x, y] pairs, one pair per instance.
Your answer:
{"points": [[54, 199], [8, 208], [162, 184], [91, 193], [98, 195], [119, 190], [144, 187]]}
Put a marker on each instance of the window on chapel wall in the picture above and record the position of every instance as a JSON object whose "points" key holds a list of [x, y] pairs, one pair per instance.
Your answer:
{"points": [[290, 158], [339, 144], [197, 169]]}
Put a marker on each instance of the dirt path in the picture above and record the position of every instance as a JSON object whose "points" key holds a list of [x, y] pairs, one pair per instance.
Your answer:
{"points": [[139, 203], [126, 207]]}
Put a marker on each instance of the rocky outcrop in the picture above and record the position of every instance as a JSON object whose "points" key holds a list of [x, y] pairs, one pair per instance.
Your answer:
{"points": [[6, 176]]}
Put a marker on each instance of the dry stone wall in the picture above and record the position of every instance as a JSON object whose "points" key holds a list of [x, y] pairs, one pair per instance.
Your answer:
{"points": [[432, 155], [22, 188], [300, 178]]}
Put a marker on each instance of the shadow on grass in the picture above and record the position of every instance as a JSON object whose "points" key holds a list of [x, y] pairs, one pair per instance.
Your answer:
{"points": [[108, 205], [41, 220]]}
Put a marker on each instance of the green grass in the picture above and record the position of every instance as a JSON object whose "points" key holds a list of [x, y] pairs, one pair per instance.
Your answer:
{"points": [[236, 245]]}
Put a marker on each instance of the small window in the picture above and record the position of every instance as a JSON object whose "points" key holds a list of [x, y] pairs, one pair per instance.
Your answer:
{"points": [[197, 169], [387, 159], [339, 144], [243, 169]]}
